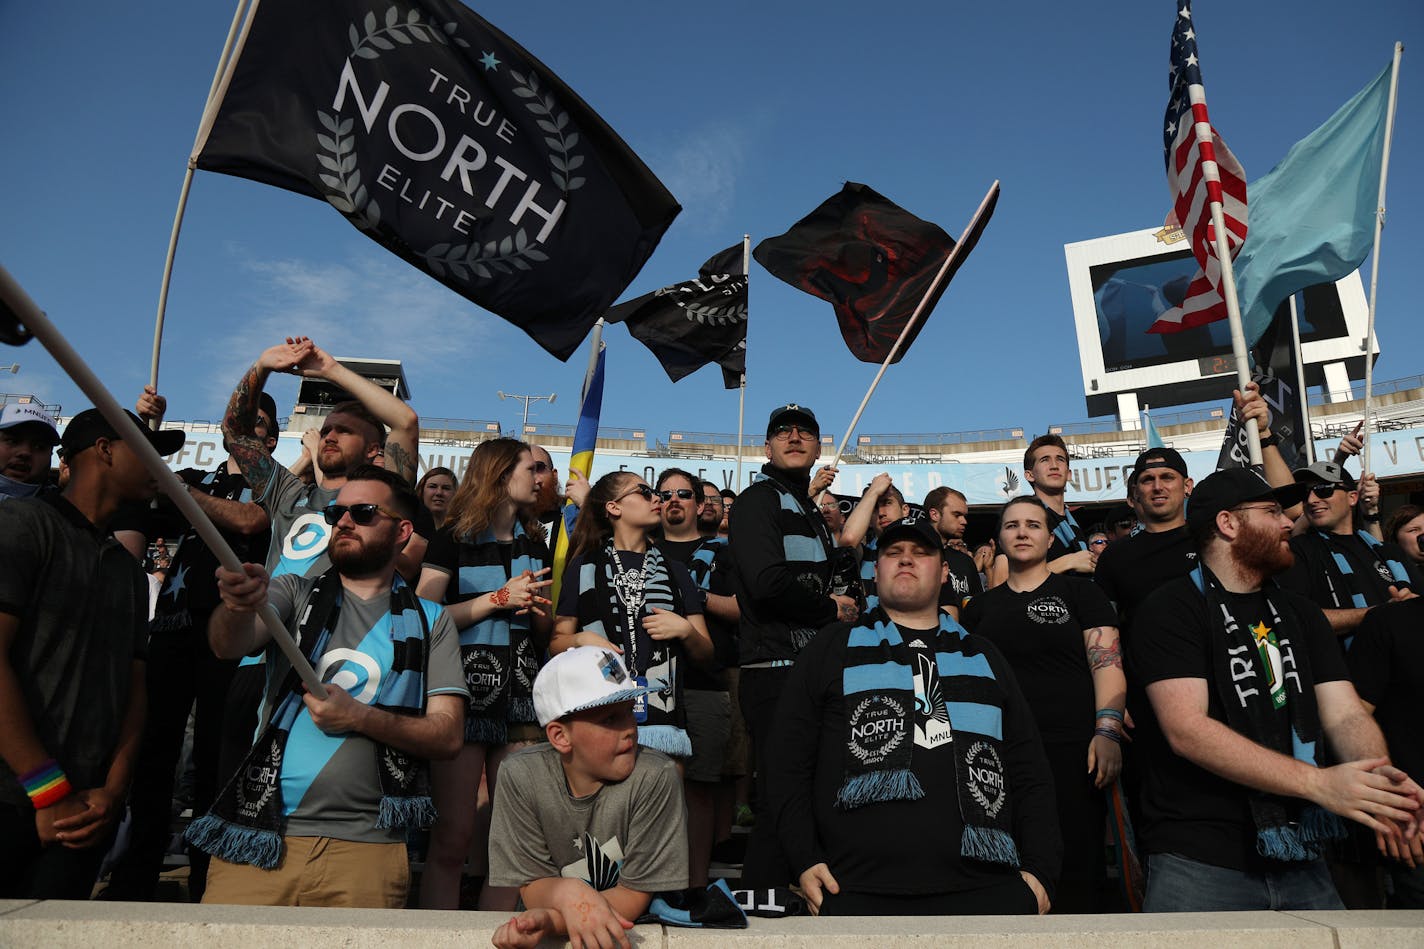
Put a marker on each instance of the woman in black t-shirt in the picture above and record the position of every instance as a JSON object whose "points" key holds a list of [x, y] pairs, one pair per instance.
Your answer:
{"points": [[1059, 634], [488, 566], [619, 590]]}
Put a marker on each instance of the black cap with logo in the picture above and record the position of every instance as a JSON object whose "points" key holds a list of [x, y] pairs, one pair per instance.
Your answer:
{"points": [[792, 413]]}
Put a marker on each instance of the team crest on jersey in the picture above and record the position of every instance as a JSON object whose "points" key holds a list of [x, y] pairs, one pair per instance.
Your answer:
{"points": [[306, 538]]}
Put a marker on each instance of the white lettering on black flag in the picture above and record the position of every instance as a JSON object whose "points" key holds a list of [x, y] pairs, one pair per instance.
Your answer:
{"points": [[447, 143]]}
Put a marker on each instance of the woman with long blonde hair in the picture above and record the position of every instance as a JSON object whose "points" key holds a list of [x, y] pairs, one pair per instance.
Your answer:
{"points": [[488, 565]]}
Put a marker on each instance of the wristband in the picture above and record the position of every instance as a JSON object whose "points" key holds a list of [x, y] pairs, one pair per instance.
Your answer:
{"points": [[1371, 518], [1110, 713], [500, 597], [46, 785], [1269, 440], [1108, 733]]}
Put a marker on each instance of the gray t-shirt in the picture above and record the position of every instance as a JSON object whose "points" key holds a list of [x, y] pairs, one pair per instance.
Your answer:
{"points": [[330, 783], [299, 529], [82, 607], [632, 833]]}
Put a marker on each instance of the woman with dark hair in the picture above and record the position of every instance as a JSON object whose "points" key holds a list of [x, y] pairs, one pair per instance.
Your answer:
{"points": [[619, 591], [1059, 634], [1406, 528], [488, 565], [436, 488]]}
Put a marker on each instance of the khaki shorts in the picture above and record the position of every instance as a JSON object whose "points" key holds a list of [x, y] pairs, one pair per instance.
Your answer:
{"points": [[317, 871]]}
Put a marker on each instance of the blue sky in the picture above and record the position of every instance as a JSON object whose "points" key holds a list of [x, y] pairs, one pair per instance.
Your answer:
{"points": [[751, 114]]}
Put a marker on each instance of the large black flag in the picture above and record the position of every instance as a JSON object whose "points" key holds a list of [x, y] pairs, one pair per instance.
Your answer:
{"points": [[447, 143], [872, 259], [1275, 373], [690, 324]]}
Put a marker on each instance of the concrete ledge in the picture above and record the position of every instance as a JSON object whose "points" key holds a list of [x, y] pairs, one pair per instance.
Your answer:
{"points": [[26, 924]]}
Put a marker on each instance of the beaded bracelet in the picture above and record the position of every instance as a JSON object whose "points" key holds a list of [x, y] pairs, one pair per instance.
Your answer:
{"points": [[1108, 733], [46, 785], [1112, 713]]}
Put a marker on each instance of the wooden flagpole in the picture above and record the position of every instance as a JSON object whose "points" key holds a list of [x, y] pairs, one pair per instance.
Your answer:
{"points": [[228, 58], [914, 319], [1374, 265], [742, 397], [34, 320]]}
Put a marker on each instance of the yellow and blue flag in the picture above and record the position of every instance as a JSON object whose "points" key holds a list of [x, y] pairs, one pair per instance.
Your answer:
{"points": [[581, 458]]}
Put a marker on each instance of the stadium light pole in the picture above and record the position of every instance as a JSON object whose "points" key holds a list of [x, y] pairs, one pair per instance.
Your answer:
{"points": [[12, 369], [527, 400]]}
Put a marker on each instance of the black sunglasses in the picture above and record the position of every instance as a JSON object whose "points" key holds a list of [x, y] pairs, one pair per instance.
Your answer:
{"points": [[540, 467], [642, 489], [683, 494], [1325, 491], [362, 514]]}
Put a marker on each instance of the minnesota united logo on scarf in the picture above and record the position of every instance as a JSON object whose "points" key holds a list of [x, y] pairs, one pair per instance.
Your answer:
{"points": [[246, 822], [879, 691], [497, 652], [611, 602]]}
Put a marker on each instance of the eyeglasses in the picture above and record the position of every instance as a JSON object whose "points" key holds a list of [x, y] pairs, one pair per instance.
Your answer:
{"points": [[783, 432], [542, 467], [362, 514], [714, 499], [1123, 525], [683, 494], [646, 492], [1325, 491], [1098, 542], [1272, 509]]}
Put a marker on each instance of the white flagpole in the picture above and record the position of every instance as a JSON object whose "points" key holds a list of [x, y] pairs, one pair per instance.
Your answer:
{"points": [[597, 339], [1300, 383], [914, 319], [226, 61], [34, 320], [742, 397], [1374, 265]]}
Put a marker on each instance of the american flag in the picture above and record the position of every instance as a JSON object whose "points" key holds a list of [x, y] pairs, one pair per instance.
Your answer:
{"points": [[1200, 170]]}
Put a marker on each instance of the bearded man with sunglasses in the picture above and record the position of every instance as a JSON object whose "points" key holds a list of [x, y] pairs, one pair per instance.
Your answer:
{"points": [[782, 558], [317, 813], [1346, 572]]}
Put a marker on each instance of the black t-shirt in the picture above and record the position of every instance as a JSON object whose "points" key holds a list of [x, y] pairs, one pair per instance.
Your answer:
{"points": [[899, 847], [692, 599], [1132, 569], [1317, 575], [1386, 661], [964, 581], [1040, 633], [724, 635], [1186, 809]]}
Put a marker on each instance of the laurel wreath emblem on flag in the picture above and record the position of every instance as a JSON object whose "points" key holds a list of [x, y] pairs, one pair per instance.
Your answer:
{"points": [[349, 195]]}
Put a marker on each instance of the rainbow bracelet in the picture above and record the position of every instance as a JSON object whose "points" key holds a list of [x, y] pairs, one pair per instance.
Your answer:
{"points": [[46, 785]]}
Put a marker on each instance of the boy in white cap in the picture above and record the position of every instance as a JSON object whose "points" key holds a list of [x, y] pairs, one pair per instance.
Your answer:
{"points": [[590, 825]]}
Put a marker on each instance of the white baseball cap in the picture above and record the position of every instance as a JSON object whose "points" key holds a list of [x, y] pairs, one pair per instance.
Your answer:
{"points": [[18, 413], [582, 678]]}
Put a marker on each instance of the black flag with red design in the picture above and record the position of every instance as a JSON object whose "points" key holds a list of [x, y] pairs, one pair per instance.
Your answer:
{"points": [[872, 259]]}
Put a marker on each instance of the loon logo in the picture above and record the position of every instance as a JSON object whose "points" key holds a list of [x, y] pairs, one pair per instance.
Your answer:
{"points": [[1010, 485], [1049, 610]]}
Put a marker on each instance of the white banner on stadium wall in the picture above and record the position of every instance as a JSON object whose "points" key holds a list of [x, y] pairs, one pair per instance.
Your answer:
{"points": [[1092, 480]]}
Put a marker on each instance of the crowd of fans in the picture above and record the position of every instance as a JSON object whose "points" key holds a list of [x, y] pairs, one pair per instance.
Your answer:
{"points": [[1214, 690]]}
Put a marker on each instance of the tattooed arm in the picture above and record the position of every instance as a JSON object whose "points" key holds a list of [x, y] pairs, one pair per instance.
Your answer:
{"points": [[404, 439], [1110, 692], [239, 425]]}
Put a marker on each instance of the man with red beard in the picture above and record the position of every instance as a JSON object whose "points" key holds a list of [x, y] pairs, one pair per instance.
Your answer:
{"points": [[1244, 681], [317, 813]]}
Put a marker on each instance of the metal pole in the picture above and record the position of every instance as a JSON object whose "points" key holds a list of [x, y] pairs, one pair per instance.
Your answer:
{"points": [[1374, 265], [742, 396], [1300, 383], [78, 370], [210, 106]]}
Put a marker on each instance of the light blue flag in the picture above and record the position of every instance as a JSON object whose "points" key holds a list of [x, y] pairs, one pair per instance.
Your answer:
{"points": [[1313, 215], [1154, 440]]}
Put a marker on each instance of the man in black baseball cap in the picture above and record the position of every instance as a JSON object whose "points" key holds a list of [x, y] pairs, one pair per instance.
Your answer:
{"points": [[1246, 687], [783, 553], [86, 428]]}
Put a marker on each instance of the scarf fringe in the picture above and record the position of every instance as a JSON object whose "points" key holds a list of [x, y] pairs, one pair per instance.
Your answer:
{"points": [[406, 812], [235, 843], [669, 739], [521, 709], [990, 845], [1317, 825], [1282, 843], [485, 730], [871, 787]]}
